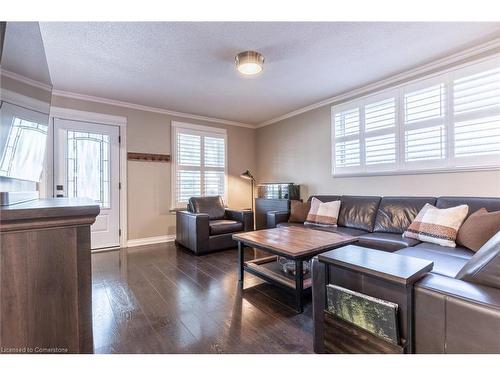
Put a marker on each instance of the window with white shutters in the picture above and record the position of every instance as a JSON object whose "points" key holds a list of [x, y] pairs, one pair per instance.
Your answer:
{"points": [[448, 122], [199, 162], [476, 115]]}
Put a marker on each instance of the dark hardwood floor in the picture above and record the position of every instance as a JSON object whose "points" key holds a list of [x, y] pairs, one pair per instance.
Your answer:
{"points": [[163, 299]]}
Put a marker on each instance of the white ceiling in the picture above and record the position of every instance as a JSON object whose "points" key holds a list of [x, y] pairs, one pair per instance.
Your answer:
{"points": [[189, 66]]}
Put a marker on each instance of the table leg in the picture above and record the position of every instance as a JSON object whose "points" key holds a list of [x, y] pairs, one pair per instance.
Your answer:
{"points": [[241, 262], [299, 285]]}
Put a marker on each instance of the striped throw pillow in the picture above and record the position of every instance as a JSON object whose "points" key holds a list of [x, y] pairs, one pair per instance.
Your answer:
{"points": [[435, 225], [323, 214]]}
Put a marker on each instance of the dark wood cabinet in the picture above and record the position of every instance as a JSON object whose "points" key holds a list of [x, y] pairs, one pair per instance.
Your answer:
{"points": [[45, 276], [262, 206]]}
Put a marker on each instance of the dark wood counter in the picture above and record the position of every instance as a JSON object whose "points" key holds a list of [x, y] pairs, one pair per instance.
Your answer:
{"points": [[45, 276]]}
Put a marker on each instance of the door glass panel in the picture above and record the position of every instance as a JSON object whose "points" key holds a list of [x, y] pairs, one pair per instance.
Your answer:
{"points": [[88, 173]]}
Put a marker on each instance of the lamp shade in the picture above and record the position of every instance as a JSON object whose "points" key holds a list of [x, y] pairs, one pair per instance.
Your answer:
{"points": [[247, 175]]}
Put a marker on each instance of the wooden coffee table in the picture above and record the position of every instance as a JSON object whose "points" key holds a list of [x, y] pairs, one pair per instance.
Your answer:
{"points": [[297, 244]]}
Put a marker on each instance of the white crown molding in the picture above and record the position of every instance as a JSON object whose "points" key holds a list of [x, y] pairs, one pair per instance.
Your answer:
{"points": [[26, 80], [393, 80], [150, 240], [140, 107], [24, 101], [76, 115]]}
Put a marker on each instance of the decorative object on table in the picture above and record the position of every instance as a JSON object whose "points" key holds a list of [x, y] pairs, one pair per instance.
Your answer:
{"points": [[323, 214], [247, 175], [288, 266], [139, 156], [437, 225], [372, 314], [280, 190]]}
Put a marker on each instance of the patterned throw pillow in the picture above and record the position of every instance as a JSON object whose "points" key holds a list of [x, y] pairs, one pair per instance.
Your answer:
{"points": [[323, 214], [435, 225]]}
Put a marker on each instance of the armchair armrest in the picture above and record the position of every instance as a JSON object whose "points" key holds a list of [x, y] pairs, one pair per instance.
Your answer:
{"points": [[192, 231], [244, 216], [276, 217]]}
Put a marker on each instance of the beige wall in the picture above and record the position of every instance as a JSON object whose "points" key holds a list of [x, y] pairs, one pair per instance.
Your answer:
{"points": [[149, 184], [298, 149]]}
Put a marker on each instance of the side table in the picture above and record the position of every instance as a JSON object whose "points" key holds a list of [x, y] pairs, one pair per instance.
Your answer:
{"points": [[381, 275]]}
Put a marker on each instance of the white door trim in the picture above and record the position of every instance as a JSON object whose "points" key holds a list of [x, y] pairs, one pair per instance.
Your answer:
{"points": [[98, 118]]}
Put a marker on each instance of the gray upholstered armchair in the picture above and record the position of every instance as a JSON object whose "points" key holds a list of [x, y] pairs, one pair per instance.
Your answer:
{"points": [[208, 226]]}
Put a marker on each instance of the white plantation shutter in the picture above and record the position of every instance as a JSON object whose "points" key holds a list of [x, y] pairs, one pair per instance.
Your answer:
{"points": [[347, 139], [424, 124], [380, 133], [448, 122], [199, 162], [476, 115]]}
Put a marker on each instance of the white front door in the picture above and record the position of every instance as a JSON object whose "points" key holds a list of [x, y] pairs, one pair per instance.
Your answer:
{"points": [[86, 164]]}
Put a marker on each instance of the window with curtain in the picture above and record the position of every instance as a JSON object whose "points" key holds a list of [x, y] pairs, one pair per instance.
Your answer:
{"points": [[199, 162], [450, 121]]}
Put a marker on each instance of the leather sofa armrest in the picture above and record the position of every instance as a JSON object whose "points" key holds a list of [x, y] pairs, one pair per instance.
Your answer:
{"points": [[456, 316], [244, 216], [464, 290], [192, 231], [276, 217]]}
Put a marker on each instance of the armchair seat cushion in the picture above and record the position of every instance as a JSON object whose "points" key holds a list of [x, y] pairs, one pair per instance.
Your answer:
{"points": [[224, 226]]}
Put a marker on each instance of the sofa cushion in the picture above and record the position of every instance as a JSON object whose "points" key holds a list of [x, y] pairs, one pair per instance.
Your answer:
{"points": [[213, 206], [386, 241], [484, 266], [344, 230], [446, 265], [395, 214], [459, 251], [298, 211], [323, 214], [478, 228], [474, 203], [224, 226], [439, 226], [358, 212]]}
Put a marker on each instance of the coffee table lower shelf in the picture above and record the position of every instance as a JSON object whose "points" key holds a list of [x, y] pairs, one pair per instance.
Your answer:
{"points": [[269, 269]]}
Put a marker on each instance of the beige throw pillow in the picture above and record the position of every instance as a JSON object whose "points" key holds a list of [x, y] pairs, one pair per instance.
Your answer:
{"points": [[323, 214], [478, 229], [435, 225], [299, 211]]}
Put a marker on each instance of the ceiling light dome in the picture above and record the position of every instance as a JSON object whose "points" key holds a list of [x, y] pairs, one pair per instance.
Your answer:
{"points": [[249, 62]]}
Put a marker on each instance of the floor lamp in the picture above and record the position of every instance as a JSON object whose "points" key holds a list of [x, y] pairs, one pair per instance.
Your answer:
{"points": [[248, 176]]}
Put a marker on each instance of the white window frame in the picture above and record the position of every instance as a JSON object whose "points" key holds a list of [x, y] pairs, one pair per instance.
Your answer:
{"points": [[401, 167], [203, 131]]}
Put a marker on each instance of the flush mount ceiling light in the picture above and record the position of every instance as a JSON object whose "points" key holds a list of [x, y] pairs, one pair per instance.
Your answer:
{"points": [[249, 62]]}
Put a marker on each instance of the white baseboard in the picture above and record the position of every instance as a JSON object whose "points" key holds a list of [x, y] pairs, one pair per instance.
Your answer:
{"points": [[150, 240]]}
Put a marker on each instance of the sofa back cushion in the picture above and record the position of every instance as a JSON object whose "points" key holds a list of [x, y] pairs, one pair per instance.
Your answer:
{"points": [[358, 212], [395, 214], [474, 203], [484, 266], [213, 206]]}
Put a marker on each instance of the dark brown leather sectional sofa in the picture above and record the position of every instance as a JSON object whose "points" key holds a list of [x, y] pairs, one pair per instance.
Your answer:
{"points": [[453, 314]]}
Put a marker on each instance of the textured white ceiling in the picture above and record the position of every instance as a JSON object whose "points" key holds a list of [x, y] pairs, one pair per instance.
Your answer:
{"points": [[189, 66]]}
